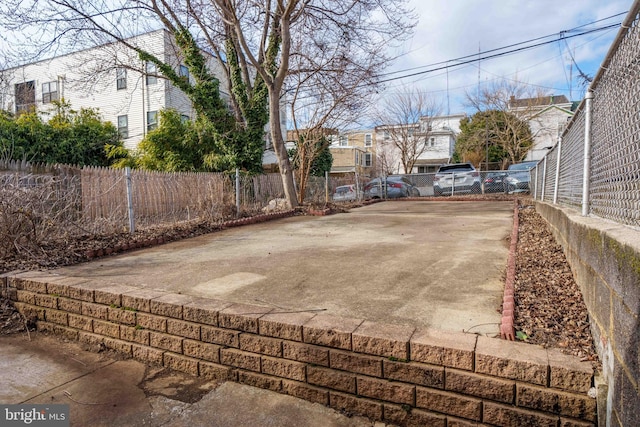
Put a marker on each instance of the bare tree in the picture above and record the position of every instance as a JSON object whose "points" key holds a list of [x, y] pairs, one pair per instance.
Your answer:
{"points": [[327, 87], [265, 35], [511, 105], [405, 122], [303, 28], [387, 160]]}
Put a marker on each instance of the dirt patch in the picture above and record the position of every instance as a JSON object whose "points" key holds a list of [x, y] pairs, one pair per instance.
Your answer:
{"points": [[549, 308], [175, 385], [11, 321]]}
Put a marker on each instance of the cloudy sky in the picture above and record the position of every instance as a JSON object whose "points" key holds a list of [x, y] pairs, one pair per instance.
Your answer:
{"points": [[452, 29]]}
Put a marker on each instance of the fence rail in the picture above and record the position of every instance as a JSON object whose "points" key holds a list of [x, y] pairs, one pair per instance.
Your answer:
{"points": [[595, 166], [96, 198]]}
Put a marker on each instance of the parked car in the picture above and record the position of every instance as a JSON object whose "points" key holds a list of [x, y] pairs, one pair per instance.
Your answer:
{"points": [[518, 177], [456, 178], [393, 187], [493, 182], [345, 193]]}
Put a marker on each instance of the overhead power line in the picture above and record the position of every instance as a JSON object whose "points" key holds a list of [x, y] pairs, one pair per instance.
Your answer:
{"points": [[489, 54]]}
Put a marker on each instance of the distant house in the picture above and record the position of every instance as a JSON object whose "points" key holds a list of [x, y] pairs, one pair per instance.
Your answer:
{"points": [[547, 117], [432, 140], [354, 152], [440, 143]]}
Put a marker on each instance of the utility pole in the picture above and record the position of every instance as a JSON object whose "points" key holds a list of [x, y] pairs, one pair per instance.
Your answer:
{"points": [[486, 141]]}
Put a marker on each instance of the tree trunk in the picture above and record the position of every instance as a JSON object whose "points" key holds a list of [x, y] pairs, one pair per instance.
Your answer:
{"points": [[286, 173]]}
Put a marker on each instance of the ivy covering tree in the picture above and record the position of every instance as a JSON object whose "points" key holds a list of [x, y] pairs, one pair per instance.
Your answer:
{"points": [[221, 139], [68, 137], [272, 41]]}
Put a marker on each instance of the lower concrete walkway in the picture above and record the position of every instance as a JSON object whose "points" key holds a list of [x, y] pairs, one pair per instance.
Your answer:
{"points": [[419, 263], [103, 390]]}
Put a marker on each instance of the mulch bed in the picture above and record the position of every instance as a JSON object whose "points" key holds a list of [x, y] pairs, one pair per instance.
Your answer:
{"points": [[549, 309]]}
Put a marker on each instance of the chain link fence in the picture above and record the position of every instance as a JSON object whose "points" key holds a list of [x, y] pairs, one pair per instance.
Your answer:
{"points": [[595, 166]]}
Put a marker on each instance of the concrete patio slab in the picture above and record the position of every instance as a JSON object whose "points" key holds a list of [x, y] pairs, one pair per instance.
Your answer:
{"points": [[418, 263]]}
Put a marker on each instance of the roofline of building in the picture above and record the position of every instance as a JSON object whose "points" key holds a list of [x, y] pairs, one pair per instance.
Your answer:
{"points": [[86, 49]]}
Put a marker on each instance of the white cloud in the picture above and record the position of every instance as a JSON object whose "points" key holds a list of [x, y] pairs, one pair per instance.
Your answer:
{"points": [[456, 28]]}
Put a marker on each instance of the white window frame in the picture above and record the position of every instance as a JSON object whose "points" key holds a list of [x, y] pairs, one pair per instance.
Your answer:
{"points": [[368, 140], [183, 71], [368, 160], [28, 91], [49, 92], [121, 78], [343, 141], [151, 71], [123, 126], [152, 120]]}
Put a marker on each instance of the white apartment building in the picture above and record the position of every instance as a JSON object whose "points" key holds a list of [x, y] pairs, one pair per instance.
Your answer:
{"points": [[127, 91]]}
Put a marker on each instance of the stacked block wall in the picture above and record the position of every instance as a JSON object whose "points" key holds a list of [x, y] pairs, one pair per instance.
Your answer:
{"points": [[605, 260], [397, 374]]}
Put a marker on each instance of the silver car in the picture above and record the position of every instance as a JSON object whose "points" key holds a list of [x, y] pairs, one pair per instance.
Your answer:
{"points": [[456, 178], [345, 193], [392, 187], [518, 177]]}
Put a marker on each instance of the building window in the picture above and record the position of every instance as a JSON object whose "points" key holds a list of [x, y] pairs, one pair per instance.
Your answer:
{"points": [[121, 78], [49, 92], [152, 120], [367, 140], [152, 73], [343, 141], [387, 135], [410, 132], [432, 142], [123, 126], [368, 160], [184, 118], [25, 96], [184, 71]]}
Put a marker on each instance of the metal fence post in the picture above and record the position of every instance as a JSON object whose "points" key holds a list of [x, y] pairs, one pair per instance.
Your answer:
{"points": [[453, 183], [535, 186], [586, 176], [326, 186], [132, 224], [237, 191], [557, 183], [544, 177]]}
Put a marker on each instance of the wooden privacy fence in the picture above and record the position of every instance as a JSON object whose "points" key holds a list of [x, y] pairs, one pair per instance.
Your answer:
{"points": [[97, 197], [156, 196]]}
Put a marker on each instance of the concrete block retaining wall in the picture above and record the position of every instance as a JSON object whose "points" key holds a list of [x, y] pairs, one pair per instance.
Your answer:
{"points": [[397, 374], [605, 260]]}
